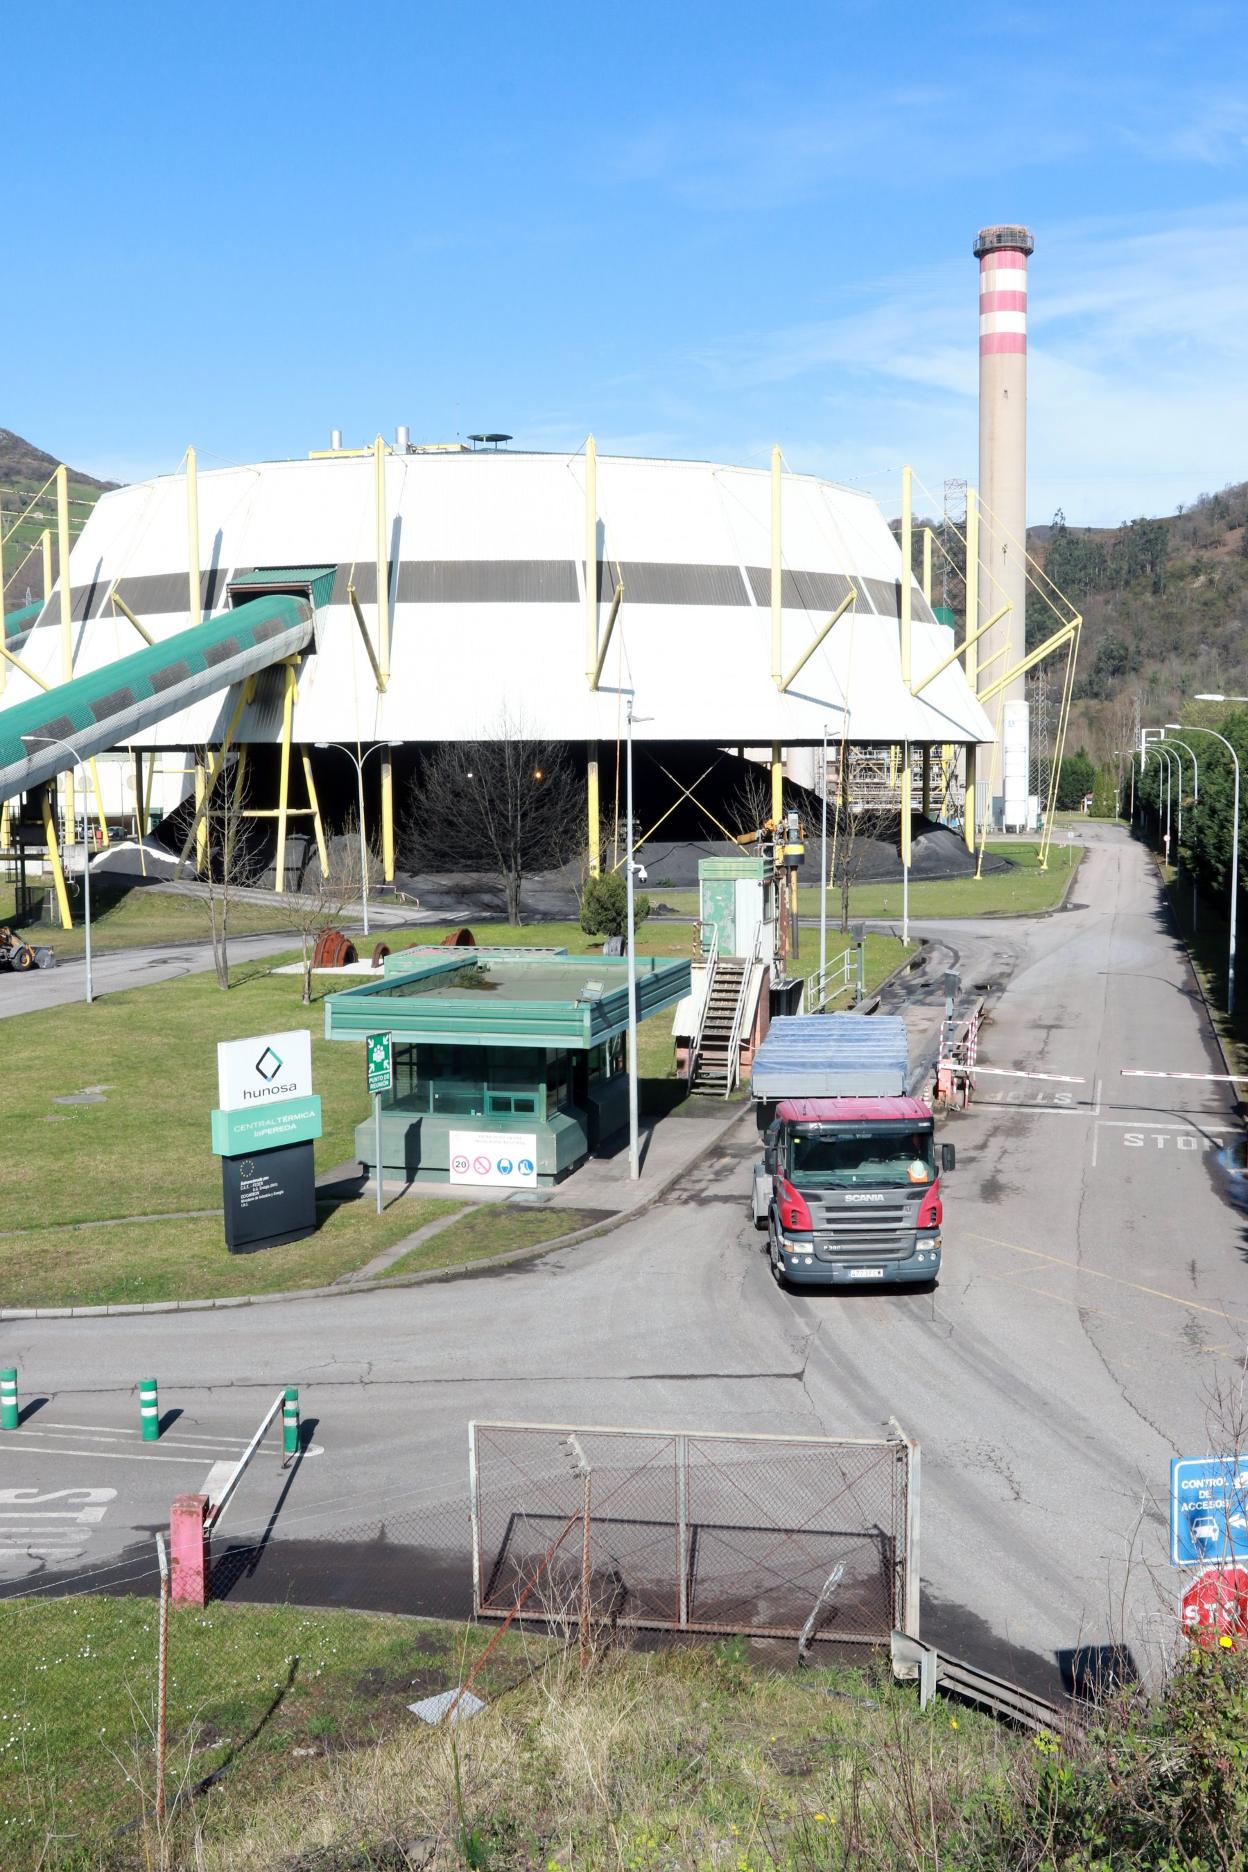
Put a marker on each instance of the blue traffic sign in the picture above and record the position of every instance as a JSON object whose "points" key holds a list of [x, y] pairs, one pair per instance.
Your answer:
{"points": [[1208, 1509]]}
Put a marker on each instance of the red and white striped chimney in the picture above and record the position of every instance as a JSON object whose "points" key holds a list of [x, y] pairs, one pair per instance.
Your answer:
{"points": [[1002, 253]]}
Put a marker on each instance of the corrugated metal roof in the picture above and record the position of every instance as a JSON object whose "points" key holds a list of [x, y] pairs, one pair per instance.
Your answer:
{"points": [[831, 1055]]}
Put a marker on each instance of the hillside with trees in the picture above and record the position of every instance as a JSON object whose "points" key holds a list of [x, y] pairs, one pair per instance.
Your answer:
{"points": [[23, 471]]}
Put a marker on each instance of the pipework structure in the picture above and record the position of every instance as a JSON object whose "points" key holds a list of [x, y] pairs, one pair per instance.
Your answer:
{"points": [[1003, 253]]}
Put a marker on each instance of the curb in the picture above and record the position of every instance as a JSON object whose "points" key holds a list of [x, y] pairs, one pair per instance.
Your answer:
{"points": [[427, 1278]]}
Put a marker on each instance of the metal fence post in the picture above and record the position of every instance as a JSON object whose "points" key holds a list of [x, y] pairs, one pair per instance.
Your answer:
{"points": [[910, 1463], [474, 1517], [162, 1676], [682, 1528]]}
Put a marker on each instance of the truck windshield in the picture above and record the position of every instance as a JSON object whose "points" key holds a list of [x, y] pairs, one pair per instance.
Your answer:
{"points": [[897, 1154]]}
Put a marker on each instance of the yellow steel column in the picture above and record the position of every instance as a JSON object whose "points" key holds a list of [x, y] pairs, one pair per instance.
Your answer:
{"points": [[591, 561], [387, 818], [907, 806], [99, 803], [777, 786], [147, 793], [321, 850], [971, 664], [383, 562], [777, 647], [927, 564], [194, 590], [54, 859], [593, 811], [283, 785], [140, 830], [907, 573], [927, 781], [201, 822], [67, 630], [45, 547]]}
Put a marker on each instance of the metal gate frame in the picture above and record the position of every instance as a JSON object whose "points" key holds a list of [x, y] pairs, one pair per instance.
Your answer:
{"points": [[906, 1472]]}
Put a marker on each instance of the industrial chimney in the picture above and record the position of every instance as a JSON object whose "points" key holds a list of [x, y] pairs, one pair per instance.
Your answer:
{"points": [[1002, 254]]}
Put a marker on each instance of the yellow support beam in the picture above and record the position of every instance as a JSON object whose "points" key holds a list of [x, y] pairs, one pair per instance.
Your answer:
{"points": [[11, 656], [612, 615], [321, 849], [1026, 663], [194, 587], [368, 642], [119, 604], [907, 807], [777, 787], [777, 579], [927, 782], [592, 665], [99, 804], [67, 623], [200, 828], [907, 569], [387, 818], [383, 562], [593, 811], [283, 784], [968, 802], [927, 564], [961, 649], [54, 859], [45, 547], [851, 597]]}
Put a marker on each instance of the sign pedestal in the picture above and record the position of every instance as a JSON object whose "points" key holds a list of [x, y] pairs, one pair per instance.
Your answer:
{"points": [[270, 1197], [263, 1132]]}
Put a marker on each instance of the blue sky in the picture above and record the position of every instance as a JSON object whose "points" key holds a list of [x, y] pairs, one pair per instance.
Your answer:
{"points": [[694, 229]]}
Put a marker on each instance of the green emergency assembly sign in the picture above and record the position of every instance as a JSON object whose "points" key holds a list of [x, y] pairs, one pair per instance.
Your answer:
{"points": [[380, 1068]]}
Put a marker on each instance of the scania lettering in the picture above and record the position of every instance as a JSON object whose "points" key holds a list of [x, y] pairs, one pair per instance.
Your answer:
{"points": [[849, 1185]]}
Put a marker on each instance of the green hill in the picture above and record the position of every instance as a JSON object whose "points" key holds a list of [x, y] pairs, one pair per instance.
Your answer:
{"points": [[23, 471]]}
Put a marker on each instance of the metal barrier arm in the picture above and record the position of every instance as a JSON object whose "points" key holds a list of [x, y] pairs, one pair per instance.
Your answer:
{"points": [[218, 1508]]}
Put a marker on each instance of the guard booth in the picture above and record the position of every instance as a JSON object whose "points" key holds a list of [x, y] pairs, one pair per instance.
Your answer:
{"points": [[510, 1065], [737, 897]]}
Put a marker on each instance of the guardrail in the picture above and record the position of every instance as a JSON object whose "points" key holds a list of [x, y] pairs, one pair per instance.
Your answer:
{"points": [[936, 1671], [733, 1073], [839, 976]]}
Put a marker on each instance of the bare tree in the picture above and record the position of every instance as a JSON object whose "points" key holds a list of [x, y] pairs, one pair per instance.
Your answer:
{"points": [[234, 861], [511, 804], [854, 826], [323, 899]]}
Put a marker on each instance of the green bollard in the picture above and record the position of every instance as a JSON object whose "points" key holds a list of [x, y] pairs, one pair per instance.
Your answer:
{"points": [[8, 1399], [290, 1421], [149, 1410]]}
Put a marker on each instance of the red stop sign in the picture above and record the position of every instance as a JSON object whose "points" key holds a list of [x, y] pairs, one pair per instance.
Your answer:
{"points": [[1215, 1605]]}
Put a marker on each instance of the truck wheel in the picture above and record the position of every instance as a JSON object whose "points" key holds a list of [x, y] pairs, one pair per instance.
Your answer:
{"points": [[760, 1222], [25, 958]]}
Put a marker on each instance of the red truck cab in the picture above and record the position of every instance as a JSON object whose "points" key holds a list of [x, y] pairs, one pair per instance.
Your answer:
{"points": [[852, 1192]]}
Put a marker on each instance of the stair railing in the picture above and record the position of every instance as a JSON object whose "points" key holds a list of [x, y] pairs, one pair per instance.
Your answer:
{"points": [[710, 956], [733, 1072]]}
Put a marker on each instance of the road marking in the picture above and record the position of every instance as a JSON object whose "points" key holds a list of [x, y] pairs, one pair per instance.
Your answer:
{"points": [[1156, 1293], [30, 1532], [216, 1480], [1024, 1284], [100, 1455], [1137, 1072], [1155, 1124], [1011, 1072], [182, 1440]]}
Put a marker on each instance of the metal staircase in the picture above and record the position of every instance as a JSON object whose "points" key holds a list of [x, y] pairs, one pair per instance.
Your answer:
{"points": [[716, 1060]]}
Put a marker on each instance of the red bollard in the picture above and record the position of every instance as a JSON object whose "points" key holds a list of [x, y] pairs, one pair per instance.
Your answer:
{"points": [[188, 1550]]}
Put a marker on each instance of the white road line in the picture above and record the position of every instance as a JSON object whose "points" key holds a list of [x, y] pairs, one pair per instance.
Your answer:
{"points": [[1138, 1072], [129, 1436], [1096, 1097], [1012, 1072], [99, 1455], [1158, 1124]]}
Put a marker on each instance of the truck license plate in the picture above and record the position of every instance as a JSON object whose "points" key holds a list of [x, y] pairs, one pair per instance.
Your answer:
{"points": [[866, 1273]]}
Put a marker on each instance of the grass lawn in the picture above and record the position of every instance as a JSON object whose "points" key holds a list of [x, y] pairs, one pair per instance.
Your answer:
{"points": [[655, 1762], [121, 1263], [144, 1148], [492, 1228], [265, 1693], [1208, 944], [1021, 891], [129, 919]]}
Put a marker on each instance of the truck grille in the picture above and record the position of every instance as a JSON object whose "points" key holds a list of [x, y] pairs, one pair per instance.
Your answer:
{"points": [[850, 1233]]}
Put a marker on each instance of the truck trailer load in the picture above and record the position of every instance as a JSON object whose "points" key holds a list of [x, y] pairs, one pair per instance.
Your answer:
{"points": [[848, 1188]]}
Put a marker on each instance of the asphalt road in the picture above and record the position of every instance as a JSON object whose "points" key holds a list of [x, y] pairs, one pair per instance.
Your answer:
{"points": [[1093, 1300]]}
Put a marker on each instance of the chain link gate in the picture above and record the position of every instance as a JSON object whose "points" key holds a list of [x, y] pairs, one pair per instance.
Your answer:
{"points": [[694, 1531]]}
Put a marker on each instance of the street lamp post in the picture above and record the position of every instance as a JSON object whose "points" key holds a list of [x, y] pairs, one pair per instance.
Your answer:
{"points": [[1195, 802], [357, 761], [55, 741], [1192, 728]]}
